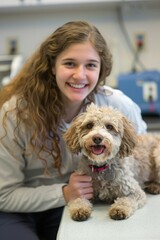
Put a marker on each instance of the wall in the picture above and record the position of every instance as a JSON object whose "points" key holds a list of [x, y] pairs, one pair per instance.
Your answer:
{"points": [[32, 27]]}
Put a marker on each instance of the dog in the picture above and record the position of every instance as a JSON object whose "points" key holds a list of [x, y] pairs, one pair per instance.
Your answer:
{"points": [[123, 165]]}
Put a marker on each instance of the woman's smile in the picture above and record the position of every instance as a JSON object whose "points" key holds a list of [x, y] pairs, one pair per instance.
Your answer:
{"points": [[77, 86]]}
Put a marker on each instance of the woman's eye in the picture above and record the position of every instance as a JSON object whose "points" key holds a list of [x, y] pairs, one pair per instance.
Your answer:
{"points": [[89, 125], [91, 65], [69, 64], [109, 127]]}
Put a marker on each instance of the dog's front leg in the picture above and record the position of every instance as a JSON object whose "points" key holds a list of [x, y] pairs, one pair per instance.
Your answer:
{"points": [[124, 207], [80, 209]]}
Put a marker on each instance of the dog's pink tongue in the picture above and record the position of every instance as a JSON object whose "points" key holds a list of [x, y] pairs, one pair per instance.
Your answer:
{"points": [[97, 149]]}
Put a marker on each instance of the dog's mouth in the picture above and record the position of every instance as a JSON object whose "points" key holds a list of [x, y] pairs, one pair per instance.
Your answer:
{"points": [[97, 149]]}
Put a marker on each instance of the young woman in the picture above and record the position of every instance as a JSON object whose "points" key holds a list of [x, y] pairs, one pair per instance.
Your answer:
{"points": [[37, 175]]}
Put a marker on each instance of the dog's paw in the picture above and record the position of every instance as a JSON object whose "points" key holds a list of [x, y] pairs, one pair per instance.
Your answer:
{"points": [[153, 188], [119, 212], [80, 209], [80, 215]]}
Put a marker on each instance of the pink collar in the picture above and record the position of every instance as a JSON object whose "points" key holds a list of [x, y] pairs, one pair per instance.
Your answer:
{"points": [[95, 168]]}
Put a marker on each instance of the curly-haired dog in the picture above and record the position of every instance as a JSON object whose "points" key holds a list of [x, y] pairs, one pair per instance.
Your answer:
{"points": [[119, 168]]}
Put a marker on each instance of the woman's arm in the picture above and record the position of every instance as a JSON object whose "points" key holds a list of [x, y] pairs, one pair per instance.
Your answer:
{"points": [[23, 186]]}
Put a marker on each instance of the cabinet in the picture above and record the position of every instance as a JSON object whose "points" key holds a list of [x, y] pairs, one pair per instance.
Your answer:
{"points": [[31, 5]]}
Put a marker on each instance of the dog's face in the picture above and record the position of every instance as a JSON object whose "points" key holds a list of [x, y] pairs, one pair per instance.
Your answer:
{"points": [[100, 134]]}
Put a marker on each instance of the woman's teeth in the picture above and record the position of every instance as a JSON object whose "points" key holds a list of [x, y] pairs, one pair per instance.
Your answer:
{"points": [[77, 85]]}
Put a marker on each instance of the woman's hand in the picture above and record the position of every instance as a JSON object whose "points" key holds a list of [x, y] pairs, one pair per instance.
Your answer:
{"points": [[80, 185]]}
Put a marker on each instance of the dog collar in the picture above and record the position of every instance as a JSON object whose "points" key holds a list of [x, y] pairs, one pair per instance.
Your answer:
{"points": [[95, 168]]}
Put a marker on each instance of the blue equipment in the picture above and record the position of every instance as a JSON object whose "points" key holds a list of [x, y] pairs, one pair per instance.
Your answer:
{"points": [[143, 88]]}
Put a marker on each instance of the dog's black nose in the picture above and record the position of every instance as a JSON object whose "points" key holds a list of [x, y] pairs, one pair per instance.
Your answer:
{"points": [[97, 140]]}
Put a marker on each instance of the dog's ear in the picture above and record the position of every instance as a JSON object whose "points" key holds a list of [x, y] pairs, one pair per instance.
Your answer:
{"points": [[71, 138], [129, 138]]}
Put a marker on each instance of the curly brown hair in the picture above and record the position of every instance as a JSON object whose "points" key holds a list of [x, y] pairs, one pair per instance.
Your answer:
{"points": [[36, 85]]}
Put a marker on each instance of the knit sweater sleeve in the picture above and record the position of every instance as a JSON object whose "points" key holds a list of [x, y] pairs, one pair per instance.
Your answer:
{"points": [[15, 194]]}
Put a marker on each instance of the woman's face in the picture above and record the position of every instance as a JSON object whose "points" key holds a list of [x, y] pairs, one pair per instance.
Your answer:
{"points": [[77, 71]]}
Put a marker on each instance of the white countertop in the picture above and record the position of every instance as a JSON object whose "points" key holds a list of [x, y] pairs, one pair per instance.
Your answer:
{"points": [[143, 225]]}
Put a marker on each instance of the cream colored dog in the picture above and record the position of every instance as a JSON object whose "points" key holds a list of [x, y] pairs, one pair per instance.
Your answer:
{"points": [[120, 168]]}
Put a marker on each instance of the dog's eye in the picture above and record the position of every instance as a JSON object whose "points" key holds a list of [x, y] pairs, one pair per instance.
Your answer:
{"points": [[109, 127], [89, 125]]}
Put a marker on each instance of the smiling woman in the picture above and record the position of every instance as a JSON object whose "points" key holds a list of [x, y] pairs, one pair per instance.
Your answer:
{"points": [[37, 170], [77, 72]]}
